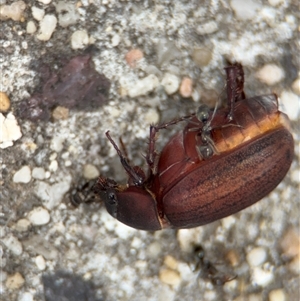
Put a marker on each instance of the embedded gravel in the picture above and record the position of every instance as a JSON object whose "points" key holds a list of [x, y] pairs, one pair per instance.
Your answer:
{"points": [[46, 245]]}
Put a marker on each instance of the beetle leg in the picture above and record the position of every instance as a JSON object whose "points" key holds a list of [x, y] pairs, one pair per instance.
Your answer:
{"points": [[235, 87], [134, 176], [154, 129]]}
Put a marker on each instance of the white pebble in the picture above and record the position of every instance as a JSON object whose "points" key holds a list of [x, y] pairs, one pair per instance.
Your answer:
{"points": [[39, 216], [45, 1], [171, 83], [25, 297], [52, 195], [257, 256], [37, 13], [296, 86], [245, 9], [30, 27], [228, 222], [23, 175], [124, 232], [268, 14], [22, 225], [154, 249], [79, 39], [207, 28], [57, 143], [261, 277], [53, 166], [24, 45], [143, 86], [270, 74], [151, 117], [13, 244], [13, 11], [187, 238], [40, 262], [67, 14], [290, 104], [38, 173], [47, 27], [277, 295], [9, 130], [90, 172], [115, 40]]}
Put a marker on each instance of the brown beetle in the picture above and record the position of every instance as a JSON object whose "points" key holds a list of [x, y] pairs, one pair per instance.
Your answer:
{"points": [[223, 161]]}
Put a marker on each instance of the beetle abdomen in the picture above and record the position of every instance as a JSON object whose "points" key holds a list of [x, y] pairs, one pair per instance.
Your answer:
{"points": [[230, 182]]}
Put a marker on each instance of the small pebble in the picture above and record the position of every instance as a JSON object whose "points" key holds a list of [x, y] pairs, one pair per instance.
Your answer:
{"points": [[23, 175], [186, 87], [26, 297], [57, 144], [262, 277], [257, 256], [151, 116], [133, 56], [233, 257], [38, 173], [296, 86], [171, 262], [207, 28], [13, 11], [47, 27], [90, 172], [45, 1], [228, 222], [22, 225], [60, 113], [13, 244], [53, 166], [171, 83], [246, 9], [38, 13], [67, 14], [4, 102], [290, 104], [290, 245], [15, 281], [143, 86], [154, 249], [31, 27], [39, 216], [201, 56], [115, 40], [270, 74], [170, 277], [9, 130], [40, 262], [277, 295], [186, 239], [79, 39], [52, 195]]}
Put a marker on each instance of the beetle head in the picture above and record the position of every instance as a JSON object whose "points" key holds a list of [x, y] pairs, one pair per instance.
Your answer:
{"points": [[107, 190]]}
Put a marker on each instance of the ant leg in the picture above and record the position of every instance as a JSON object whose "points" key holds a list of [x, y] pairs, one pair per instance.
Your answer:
{"points": [[137, 178], [154, 129]]}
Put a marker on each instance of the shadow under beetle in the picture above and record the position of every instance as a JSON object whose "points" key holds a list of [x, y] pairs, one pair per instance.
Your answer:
{"points": [[223, 161]]}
